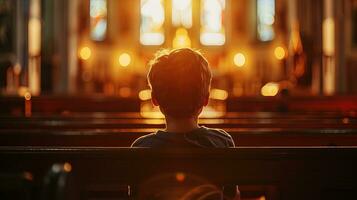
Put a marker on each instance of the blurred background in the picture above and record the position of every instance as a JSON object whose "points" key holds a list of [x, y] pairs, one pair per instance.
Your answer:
{"points": [[101, 47], [73, 81]]}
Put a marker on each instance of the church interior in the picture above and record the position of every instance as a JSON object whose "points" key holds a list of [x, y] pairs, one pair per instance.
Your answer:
{"points": [[74, 96]]}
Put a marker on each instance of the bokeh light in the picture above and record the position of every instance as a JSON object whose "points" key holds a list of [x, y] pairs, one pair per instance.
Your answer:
{"points": [[239, 60], [85, 53], [145, 95], [124, 59], [270, 89], [279, 53]]}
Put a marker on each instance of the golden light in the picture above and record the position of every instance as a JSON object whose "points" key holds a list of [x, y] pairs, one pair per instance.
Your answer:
{"points": [[67, 167], [262, 198], [270, 89], [180, 177], [239, 60], [218, 94], [34, 28], [85, 53], [152, 114], [34, 36], [145, 95], [124, 59], [28, 104], [181, 39], [279, 53], [328, 28], [125, 92], [22, 91], [27, 96]]}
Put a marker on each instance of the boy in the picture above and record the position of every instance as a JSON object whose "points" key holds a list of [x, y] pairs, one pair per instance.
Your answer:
{"points": [[180, 82]]}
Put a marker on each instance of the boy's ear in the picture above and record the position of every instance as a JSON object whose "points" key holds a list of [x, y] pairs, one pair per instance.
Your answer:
{"points": [[154, 100]]}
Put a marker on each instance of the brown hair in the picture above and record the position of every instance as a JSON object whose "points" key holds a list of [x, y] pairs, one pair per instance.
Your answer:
{"points": [[180, 81]]}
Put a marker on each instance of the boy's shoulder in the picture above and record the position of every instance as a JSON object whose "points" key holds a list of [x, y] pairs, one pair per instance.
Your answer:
{"points": [[218, 137], [202, 137], [144, 141]]}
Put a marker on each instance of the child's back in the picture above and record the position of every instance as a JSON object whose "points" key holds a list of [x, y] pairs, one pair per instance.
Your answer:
{"points": [[180, 83]]}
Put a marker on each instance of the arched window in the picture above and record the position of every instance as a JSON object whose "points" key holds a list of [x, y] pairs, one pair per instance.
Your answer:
{"points": [[182, 13], [265, 20], [98, 19], [152, 22], [212, 31]]}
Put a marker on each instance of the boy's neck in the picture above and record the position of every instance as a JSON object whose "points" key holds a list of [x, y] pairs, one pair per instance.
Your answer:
{"points": [[183, 125]]}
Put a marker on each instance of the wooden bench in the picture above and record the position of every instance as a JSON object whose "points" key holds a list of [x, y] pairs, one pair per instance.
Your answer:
{"points": [[62, 104], [291, 104], [125, 137], [94, 123], [283, 173], [121, 129]]}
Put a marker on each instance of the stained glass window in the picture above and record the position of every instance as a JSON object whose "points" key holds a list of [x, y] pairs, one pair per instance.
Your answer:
{"points": [[212, 22], [98, 19], [152, 22], [182, 13], [266, 19]]}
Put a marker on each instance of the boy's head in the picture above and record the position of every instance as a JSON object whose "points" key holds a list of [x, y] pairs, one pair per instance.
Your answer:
{"points": [[180, 81]]}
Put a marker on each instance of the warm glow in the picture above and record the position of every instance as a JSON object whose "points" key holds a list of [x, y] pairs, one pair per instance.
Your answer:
{"points": [[212, 22], [328, 27], [181, 39], [145, 95], [270, 89], [152, 22], [85, 53], [67, 167], [218, 94], [28, 104], [279, 53], [296, 39], [180, 177], [125, 92], [262, 198], [34, 36], [152, 114], [22, 91], [182, 13], [239, 60], [27, 96], [34, 28], [34, 47], [345, 120], [124, 59]]}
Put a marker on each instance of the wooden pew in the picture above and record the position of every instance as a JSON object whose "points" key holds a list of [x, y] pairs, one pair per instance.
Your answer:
{"points": [[78, 123], [121, 129], [291, 104], [291, 173], [125, 137], [63, 104]]}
